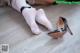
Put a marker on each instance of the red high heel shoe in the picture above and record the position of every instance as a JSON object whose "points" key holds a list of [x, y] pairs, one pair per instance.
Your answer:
{"points": [[62, 28]]}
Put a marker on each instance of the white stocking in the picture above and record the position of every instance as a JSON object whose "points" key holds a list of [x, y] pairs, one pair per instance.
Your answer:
{"points": [[42, 19], [28, 13]]}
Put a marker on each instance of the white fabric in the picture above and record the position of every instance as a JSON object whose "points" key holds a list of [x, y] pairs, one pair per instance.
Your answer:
{"points": [[31, 15], [42, 19]]}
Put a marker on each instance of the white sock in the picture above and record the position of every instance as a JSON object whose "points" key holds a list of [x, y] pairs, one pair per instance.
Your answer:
{"points": [[28, 13], [42, 19]]}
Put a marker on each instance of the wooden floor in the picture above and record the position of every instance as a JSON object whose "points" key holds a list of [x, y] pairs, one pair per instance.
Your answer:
{"points": [[15, 31]]}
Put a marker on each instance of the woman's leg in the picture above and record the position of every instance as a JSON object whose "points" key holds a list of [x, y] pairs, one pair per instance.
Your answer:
{"points": [[42, 19], [31, 15], [28, 12]]}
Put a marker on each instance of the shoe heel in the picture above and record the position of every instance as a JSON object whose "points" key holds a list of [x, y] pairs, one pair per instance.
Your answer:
{"points": [[69, 30], [66, 26]]}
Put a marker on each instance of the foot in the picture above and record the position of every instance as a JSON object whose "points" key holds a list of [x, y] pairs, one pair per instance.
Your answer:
{"points": [[42, 19], [29, 15]]}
